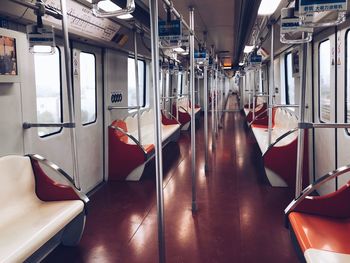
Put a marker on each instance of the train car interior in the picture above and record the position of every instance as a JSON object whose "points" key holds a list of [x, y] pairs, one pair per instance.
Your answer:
{"points": [[177, 131]]}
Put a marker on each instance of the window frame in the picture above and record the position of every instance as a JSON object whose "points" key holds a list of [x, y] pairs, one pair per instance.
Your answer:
{"points": [[290, 53], [94, 121], [144, 81], [319, 80], [61, 96]]}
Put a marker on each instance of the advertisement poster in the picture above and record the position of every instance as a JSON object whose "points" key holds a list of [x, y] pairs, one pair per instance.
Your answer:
{"points": [[8, 60]]}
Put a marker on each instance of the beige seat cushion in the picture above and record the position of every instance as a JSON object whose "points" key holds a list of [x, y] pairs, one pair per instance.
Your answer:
{"points": [[27, 223]]}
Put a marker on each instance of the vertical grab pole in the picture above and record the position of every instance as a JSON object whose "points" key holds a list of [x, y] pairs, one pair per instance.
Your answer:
{"points": [[137, 87], [301, 132], [71, 112], [254, 102], [193, 120], [221, 101], [249, 90], [206, 116], [216, 102], [272, 84], [212, 109], [153, 6]]}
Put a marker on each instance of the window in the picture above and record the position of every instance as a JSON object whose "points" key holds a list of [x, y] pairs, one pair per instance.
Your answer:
{"points": [[88, 105], [347, 89], [179, 84], [324, 81], [48, 91], [132, 101], [290, 85]]}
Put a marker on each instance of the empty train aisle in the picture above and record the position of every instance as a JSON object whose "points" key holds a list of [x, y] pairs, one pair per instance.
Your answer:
{"points": [[240, 217]]}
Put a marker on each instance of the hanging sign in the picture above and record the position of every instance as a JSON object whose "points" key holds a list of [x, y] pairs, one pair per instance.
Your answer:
{"points": [[170, 30], [290, 25], [200, 57], [312, 6], [255, 59], [41, 36]]}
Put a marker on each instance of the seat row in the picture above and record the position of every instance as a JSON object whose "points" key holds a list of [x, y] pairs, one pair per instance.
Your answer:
{"points": [[37, 213], [280, 158], [127, 153]]}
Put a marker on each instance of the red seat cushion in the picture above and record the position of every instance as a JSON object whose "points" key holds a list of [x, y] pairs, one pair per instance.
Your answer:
{"points": [[320, 232]]}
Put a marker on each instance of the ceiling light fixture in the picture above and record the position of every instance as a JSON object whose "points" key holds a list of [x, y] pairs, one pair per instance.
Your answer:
{"points": [[109, 6], [248, 49], [268, 7]]}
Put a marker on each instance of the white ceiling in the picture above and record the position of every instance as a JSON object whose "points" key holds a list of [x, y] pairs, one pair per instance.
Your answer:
{"points": [[216, 17]]}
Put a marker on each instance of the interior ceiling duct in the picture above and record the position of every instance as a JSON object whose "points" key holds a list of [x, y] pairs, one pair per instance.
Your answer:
{"points": [[246, 14]]}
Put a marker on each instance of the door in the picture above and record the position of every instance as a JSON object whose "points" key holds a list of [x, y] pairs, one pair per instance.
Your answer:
{"points": [[343, 101], [44, 100], [324, 105], [88, 94]]}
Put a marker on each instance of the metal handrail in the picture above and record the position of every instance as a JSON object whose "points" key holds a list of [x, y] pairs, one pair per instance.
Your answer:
{"points": [[181, 107], [124, 107], [172, 116], [98, 12], [305, 39], [280, 139], [309, 125], [286, 105], [256, 117], [28, 125], [59, 170], [130, 136], [314, 186]]}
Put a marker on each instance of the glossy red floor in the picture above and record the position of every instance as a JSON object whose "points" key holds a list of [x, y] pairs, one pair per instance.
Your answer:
{"points": [[240, 217]]}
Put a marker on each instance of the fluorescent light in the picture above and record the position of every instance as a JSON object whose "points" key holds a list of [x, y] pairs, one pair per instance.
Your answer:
{"points": [[241, 64], [126, 16], [42, 49], [248, 49], [227, 67], [184, 53], [268, 7], [109, 6], [179, 50]]}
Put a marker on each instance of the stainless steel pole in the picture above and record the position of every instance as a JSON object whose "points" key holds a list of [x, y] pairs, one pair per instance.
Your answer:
{"points": [[71, 113], [272, 83], [193, 120], [254, 104], [216, 102], [301, 132], [206, 116], [153, 6], [137, 88], [213, 101]]}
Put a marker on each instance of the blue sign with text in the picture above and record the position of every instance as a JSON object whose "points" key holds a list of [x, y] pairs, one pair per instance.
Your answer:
{"points": [[170, 30]]}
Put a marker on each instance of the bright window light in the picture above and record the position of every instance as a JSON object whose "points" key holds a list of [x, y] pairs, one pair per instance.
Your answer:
{"points": [[179, 50], [268, 7], [248, 49], [109, 6]]}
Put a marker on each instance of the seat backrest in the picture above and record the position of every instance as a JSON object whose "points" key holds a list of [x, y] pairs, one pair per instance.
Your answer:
{"points": [[17, 184], [147, 118], [120, 124]]}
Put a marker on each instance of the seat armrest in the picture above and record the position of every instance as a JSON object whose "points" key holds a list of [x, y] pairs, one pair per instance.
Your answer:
{"points": [[49, 190]]}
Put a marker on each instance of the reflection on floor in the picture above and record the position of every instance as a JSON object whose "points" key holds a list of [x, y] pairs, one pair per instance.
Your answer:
{"points": [[240, 217]]}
